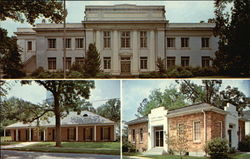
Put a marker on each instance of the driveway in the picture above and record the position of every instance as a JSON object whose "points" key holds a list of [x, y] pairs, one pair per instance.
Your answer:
{"points": [[8, 154], [23, 144]]}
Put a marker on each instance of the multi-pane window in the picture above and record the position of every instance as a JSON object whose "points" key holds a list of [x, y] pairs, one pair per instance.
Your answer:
{"points": [[133, 135], [106, 39], [51, 43], [141, 134], [184, 42], [144, 62], [143, 39], [197, 131], [220, 128], [29, 45], [68, 63], [79, 43], [71, 133], [184, 61], [125, 39], [170, 42], [170, 61], [106, 133], [107, 62], [68, 43], [52, 63], [205, 42], [79, 60], [205, 61]]}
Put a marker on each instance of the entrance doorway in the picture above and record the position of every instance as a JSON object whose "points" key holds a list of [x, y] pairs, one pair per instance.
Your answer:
{"points": [[125, 65], [159, 137]]}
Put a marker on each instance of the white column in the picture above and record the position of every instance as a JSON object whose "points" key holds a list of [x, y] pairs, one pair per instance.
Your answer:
{"points": [[29, 134], [95, 133], [4, 132], [44, 134], [16, 134], [135, 61], [114, 132], [98, 45], [115, 57], [76, 133], [152, 51]]}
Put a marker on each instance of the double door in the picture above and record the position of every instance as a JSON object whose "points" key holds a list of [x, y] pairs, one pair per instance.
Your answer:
{"points": [[158, 138]]}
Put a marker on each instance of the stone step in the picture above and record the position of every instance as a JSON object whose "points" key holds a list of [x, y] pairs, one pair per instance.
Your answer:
{"points": [[154, 151]]}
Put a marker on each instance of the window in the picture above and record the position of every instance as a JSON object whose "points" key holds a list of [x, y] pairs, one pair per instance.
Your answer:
{"points": [[144, 62], [220, 129], [106, 133], [79, 43], [68, 43], [143, 39], [184, 61], [106, 39], [68, 63], [180, 130], [141, 134], [88, 134], [79, 60], [51, 43], [52, 63], [197, 131], [205, 61], [170, 42], [125, 39], [133, 135], [205, 42], [71, 134], [170, 61], [184, 42], [107, 62], [29, 45]]}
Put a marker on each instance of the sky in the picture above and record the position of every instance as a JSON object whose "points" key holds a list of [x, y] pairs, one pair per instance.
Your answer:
{"points": [[104, 90], [176, 11], [134, 91]]}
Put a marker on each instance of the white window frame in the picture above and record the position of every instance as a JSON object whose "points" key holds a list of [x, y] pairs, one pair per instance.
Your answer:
{"points": [[107, 63], [53, 44], [171, 40], [68, 43], [143, 63], [182, 57], [185, 42], [50, 60], [194, 135], [28, 42], [143, 39], [206, 42], [126, 39], [171, 58], [106, 39], [204, 58], [79, 43]]}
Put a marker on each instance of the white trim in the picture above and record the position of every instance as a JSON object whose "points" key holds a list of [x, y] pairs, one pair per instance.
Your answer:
{"points": [[76, 133], [44, 135], [199, 140], [29, 134], [95, 133], [17, 135]]}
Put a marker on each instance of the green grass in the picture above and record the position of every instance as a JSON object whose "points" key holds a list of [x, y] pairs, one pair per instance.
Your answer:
{"points": [[240, 156], [9, 143], [112, 148]]}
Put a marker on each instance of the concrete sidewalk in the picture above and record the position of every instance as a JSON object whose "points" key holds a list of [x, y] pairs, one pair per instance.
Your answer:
{"points": [[23, 144]]}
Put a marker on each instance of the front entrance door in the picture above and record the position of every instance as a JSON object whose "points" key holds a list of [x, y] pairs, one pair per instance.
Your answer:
{"points": [[125, 65], [158, 138], [230, 137]]}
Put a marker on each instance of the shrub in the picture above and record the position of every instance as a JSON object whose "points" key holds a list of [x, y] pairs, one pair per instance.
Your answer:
{"points": [[38, 71], [244, 145], [103, 75], [179, 72], [128, 147], [75, 74], [217, 148]]}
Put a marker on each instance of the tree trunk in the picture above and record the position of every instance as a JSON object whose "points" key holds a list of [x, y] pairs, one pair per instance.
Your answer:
{"points": [[58, 122]]}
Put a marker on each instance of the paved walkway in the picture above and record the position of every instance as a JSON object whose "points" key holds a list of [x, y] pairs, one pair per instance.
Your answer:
{"points": [[7, 154], [18, 145]]}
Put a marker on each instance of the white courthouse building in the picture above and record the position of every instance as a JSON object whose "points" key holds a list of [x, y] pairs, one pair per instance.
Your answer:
{"points": [[129, 38]]}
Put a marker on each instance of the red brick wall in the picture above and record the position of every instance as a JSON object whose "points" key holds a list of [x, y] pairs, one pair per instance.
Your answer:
{"points": [[140, 145]]}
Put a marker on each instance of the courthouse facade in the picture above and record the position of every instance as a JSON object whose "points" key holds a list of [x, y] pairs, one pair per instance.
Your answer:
{"points": [[129, 38]]}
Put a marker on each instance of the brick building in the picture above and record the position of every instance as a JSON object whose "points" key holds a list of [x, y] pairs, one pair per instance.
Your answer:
{"points": [[86, 126], [200, 122]]}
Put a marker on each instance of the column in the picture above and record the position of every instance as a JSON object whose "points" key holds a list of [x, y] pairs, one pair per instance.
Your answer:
{"points": [[4, 132], [152, 51], [17, 135], [115, 132], [95, 133], [44, 134], [135, 61], [29, 134], [76, 133], [98, 45], [115, 57]]}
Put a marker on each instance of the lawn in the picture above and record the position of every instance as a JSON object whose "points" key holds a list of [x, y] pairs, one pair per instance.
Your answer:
{"points": [[232, 156], [112, 148], [9, 143]]}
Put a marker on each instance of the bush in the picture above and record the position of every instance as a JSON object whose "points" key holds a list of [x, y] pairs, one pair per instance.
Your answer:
{"points": [[37, 72], [244, 145], [217, 148], [128, 147], [103, 75], [179, 72]]}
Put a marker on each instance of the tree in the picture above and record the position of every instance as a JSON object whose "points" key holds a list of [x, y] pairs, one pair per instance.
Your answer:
{"points": [[67, 96], [234, 37], [170, 99], [10, 58], [92, 61], [161, 66]]}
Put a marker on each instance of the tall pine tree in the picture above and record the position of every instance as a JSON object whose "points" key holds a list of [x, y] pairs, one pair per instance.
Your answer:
{"points": [[233, 56], [92, 61]]}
